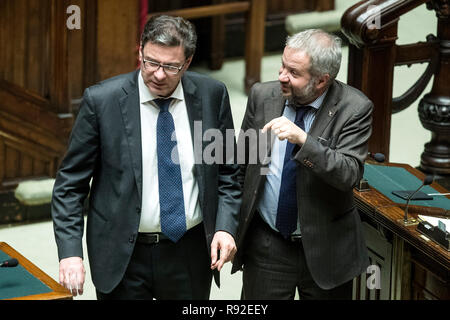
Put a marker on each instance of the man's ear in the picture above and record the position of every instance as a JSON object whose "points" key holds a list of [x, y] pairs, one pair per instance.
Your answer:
{"points": [[322, 81], [188, 62]]}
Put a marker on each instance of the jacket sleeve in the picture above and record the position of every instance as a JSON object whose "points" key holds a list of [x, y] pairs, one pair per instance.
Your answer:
{"points": [[243, 148], [72, 181], [343, 165], [229, 189]]}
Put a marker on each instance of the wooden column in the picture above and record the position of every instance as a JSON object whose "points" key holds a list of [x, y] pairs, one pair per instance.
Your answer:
{"points": [[217, 40], [363, 73], [117, 37], [434, 108], [371, 27], [254, 42]]}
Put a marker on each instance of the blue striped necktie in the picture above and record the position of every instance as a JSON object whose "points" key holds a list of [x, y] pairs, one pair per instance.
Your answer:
{"points": [[287, 213], [171, 200]]}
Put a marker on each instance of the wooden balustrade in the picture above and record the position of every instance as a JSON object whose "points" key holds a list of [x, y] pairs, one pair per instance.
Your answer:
{"points": [[373, 56]]}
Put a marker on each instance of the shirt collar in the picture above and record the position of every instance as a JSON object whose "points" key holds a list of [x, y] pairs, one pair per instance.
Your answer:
{"points": [[318, 102], [145, 95]]}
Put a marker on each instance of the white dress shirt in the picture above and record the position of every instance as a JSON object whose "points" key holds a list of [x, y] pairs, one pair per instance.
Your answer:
{"points": [[150, 213]]}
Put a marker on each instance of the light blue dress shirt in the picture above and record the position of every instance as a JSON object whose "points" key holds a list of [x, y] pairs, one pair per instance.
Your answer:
{"points": [[268, 204]]}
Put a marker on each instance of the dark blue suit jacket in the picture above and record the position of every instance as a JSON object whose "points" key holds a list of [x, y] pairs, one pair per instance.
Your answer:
{"points": [[105, 145]]}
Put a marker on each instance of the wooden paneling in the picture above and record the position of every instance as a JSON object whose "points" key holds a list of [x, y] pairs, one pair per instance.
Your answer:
{"points": [[25, 28], [426, 285], [380, 254], [117, 37], [26, 150], [295, 6], [45, 67], [41, 71]]}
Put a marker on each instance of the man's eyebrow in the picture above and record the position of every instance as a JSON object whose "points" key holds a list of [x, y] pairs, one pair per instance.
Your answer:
{"points": [[286, 65]]}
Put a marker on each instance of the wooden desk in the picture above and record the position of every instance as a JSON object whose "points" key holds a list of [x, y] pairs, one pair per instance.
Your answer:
{"points": [[412, 267], [53, 290]]}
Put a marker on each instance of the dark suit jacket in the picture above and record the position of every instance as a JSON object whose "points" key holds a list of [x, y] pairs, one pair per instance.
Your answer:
{"points": [[329, 165], [105, 144]]}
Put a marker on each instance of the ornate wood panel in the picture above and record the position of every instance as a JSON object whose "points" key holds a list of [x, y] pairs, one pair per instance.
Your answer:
{"points": [[35, 116]]}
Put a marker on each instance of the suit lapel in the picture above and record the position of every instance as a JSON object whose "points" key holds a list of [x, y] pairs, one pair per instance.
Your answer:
{"points": [[195, 110], [130, 109], [326, 112], [273, 108], [193, 106]]}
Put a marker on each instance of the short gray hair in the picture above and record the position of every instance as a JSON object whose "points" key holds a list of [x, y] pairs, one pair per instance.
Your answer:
{"points": [[170, 31], [323, 49]]}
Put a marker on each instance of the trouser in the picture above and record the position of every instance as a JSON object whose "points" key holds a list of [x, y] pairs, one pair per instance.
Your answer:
{"points": [[275, 267], [167, 270]]}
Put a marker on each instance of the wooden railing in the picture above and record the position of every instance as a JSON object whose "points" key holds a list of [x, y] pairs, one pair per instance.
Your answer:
{"points": [[371, 27]]}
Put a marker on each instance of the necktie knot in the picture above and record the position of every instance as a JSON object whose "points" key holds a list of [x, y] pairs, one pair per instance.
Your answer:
{"points": [[300, 112], [163, 104]]}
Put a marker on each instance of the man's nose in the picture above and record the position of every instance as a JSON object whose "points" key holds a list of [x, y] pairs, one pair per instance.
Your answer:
{"points": [[160, 73], [282, 75]]}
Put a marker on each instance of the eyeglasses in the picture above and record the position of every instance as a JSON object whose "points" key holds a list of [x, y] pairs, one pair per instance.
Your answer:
{"points": [[150, 65]]}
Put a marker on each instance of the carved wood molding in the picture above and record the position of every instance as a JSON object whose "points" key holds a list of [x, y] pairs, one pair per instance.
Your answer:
{"points": [[442, 8], [371, 27], [21, 159], [32, 139], [33, 109], [416, 53]]}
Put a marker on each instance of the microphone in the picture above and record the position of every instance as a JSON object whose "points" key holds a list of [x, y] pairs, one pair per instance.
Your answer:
{"points": [[9, 263], [426, 181], [378, 157]]}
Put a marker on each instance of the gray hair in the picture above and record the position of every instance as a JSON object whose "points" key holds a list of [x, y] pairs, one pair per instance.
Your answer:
{"points": [[323, 49], [170, 31]]}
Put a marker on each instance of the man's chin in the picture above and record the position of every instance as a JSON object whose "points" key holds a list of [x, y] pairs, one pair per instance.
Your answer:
{"points": [[159, 91]]}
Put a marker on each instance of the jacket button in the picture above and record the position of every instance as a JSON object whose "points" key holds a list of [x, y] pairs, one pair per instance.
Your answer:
{"points": [[131, 239], [138, 210]]}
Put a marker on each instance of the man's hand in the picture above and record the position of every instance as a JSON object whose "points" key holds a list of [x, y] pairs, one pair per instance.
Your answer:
{"points": [[222, 245], [71, 274], [286, 129]]}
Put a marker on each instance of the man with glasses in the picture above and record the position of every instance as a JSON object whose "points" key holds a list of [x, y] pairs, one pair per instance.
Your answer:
{"points": [[161, 223]]}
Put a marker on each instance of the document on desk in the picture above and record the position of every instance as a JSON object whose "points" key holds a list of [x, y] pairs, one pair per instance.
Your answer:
{"points": [[443, 224]]}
